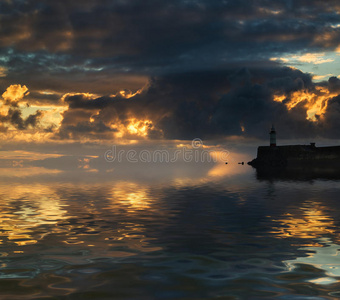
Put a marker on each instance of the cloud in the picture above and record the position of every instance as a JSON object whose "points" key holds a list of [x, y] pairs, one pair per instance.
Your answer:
{"points": [[14, 117], [331, 122], [11, 112], [96, 40], [3, 72], [314, 58], [206, 104], [14, 93], [213, 67], [230, 102], [334, 84], [320, 77], [249, 110]]}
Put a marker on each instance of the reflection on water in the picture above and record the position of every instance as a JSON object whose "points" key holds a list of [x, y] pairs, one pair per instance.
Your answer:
{"points": [[310, 221], [324, 257], [132, 195], [25, 207], [319, 262], [209, 236]]}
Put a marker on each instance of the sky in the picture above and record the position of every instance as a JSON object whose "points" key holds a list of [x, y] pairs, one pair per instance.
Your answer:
{"points": [[120, 72]]}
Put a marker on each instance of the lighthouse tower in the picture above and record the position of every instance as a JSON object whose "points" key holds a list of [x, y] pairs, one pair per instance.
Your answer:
{"points": [[272, 135]]}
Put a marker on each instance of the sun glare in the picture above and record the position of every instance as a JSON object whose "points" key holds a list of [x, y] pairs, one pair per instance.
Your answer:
{"points": [[139, 127]]}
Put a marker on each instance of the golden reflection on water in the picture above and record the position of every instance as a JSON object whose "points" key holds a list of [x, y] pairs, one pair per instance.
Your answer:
{"points": [[310, 221], [74, 216], [136, 199], [130, 194], [25, 207]]}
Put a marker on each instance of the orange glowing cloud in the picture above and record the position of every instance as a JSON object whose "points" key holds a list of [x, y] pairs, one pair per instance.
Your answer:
{"points": [[127, 94], [315, 102], [31, 122], [133, 127], [15, 92], [99, 123], [88, 96], [139, 127]]}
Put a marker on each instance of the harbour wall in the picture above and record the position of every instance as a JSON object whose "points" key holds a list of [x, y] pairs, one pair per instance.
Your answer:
{"points": [[291, 155]]}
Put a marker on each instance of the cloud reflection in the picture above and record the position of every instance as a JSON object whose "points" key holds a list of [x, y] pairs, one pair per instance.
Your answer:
{"points": [[27, 207], [325, 257], [319, 262], [132, 195], [310, 221], [110, 218]]}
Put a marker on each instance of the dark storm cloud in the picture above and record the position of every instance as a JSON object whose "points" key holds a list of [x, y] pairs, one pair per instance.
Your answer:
{"points": [[80, 121], [205, 105], [209, 62], [334, 84], [97, 130], [38, 98], [331, 122], [174, 102], [80, 101], [69, 38], [252, 107], [15, 118]]}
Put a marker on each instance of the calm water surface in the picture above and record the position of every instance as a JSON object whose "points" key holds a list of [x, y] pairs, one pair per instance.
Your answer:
{"points": [[217, 237]]}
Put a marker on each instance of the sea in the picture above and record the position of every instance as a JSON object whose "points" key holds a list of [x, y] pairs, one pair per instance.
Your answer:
{"points": [[166, 231]]}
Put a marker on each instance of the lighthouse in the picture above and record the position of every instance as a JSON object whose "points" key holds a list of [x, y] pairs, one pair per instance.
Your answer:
{"points": [[272, 135]]}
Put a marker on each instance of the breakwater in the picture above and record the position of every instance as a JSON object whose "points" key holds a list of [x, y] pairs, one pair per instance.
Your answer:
{"points": [[292, 155]]}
